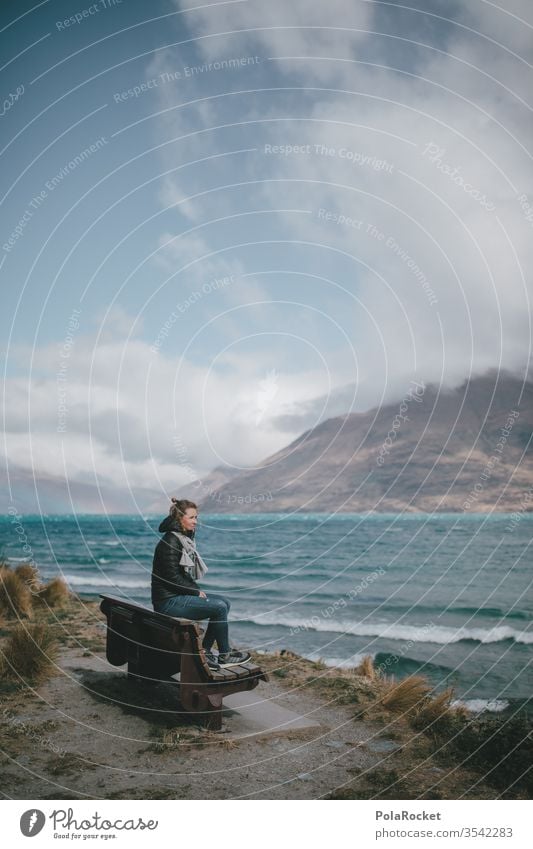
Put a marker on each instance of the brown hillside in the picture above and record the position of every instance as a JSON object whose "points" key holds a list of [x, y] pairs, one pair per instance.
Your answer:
{"points": [[447, 453]]}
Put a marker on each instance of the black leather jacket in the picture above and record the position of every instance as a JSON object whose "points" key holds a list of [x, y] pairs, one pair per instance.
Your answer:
{"points": [[168, 577]]}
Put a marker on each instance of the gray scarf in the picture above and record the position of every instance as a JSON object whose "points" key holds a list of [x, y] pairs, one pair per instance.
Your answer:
{"points": [[190, 559]]}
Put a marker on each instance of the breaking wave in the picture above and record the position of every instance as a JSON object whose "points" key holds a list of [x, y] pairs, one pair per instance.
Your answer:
{"points": [[440, 635]]}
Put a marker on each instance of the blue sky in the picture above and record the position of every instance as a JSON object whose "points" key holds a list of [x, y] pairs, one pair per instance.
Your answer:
{"points": [[262, 215]]}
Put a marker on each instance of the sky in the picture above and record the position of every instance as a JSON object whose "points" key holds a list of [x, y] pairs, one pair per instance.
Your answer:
{"points": [[223, 223]]}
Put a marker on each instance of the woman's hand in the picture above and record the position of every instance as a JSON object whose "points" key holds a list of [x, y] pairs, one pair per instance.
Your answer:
{"points": [[202, 594]]}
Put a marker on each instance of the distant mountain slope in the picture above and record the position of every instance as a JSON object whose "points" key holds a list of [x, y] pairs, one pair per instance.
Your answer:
{"points": [[47, 494], [467, 449]]}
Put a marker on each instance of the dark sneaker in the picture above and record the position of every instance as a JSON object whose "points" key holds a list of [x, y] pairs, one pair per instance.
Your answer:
{"points": [[233, 658], [211, 660]]}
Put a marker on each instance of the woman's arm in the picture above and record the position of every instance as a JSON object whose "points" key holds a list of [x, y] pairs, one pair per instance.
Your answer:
{"points": [[168, 569]]}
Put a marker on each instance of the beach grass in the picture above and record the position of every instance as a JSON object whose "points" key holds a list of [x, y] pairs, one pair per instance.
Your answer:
{"points": [[406, 696], [435, 711], [15, 595], [29, 653], [21, 591], [366, 668], [55, 593], [28, 574]]}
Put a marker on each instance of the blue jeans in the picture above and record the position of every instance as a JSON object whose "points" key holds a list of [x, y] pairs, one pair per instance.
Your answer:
{"points": [[214, 607]]}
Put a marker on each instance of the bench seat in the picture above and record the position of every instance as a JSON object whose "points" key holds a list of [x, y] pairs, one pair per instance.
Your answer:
{"points": [[156, 647]]}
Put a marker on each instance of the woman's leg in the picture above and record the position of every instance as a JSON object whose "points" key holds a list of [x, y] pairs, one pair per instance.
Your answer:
{"points": [[216, 597], [212, 632], [194, 607]]}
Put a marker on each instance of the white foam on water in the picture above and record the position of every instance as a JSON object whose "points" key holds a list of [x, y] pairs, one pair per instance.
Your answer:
{"points": [[440, 635], [481, 705], [102, 580], [337, 662]]}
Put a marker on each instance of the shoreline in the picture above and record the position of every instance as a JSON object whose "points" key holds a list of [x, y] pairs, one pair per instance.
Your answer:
{"points": [[410, 514], [476, 705]]}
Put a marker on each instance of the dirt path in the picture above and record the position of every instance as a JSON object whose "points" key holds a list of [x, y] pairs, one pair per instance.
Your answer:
{"points": [[95, 740]]}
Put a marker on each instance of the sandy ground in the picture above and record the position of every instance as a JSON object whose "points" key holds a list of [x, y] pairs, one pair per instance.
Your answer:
{"points": [[89, 732]]}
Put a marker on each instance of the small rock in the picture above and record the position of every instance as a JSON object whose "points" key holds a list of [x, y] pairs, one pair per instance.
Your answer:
{"points": [[304, 776], [335, 744], [382, 746]]}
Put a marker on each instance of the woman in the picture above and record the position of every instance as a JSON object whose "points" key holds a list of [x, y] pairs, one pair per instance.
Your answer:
{"points": [[176, 569]]}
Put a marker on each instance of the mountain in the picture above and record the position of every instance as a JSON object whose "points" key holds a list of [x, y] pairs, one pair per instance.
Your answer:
{"points": [[48, 494], [213, 482], [55, 495], [446, 451], [467, 449]]}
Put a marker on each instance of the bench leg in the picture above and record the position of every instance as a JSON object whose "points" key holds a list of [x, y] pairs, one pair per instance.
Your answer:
{"points": [[207, 707], [214, 717], [194, 690]]}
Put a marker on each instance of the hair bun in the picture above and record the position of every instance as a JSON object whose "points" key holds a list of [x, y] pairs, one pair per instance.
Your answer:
{"points": [[174, 500]]}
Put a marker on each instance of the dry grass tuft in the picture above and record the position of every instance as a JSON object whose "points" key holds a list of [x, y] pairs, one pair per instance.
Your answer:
{"points": [[434, 709], [68, 762], [367, 669], [170, 738], [433, 715], [55, 593], [29, 575], [29, 652], [225, 743], [15, 594], [406, 696]]}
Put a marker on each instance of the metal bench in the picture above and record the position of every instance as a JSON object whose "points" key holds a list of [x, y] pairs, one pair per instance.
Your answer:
{"points": [[156, 646]]}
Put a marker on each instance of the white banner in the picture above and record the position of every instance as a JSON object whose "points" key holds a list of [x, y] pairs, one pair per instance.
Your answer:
{"points": [[244, 824]]}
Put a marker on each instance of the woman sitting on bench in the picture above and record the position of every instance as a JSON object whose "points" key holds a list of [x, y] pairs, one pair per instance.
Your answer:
{"points": [[177, 567]]}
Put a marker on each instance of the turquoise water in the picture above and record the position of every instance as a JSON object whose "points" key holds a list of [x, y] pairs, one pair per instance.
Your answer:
{"points": [[448, 595]]}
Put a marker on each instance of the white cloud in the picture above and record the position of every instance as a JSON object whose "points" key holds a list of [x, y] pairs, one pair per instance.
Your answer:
{"points": [[297, 29], [474, 257], [135, 418]]}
